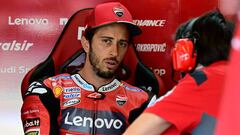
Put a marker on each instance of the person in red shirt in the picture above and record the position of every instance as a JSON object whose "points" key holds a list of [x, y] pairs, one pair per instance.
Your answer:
{"points": [[191, 107], [92, 101]]}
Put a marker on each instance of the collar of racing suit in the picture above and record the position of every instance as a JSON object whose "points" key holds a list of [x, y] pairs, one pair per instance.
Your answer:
{"points": [[86, 86]]}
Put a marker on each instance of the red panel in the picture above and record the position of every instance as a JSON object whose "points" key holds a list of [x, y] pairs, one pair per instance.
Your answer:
{"points": [[158, 20], [189, 9], [156, 42]]}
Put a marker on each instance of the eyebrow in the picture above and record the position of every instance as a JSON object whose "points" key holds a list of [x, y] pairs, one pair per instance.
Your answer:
{"points": [[113, 38], [106, 37]]}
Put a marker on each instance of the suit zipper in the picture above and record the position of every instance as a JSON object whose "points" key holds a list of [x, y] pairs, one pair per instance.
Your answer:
{"points": [[94, 116]]}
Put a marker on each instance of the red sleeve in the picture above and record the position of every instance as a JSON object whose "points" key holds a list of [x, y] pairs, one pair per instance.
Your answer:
{"points": [[35, 117], [181, 106], [40, 110]]}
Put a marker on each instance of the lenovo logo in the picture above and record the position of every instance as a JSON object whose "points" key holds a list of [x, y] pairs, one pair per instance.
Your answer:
{"points": [[88, 122], [85, 121], [27, 21]]}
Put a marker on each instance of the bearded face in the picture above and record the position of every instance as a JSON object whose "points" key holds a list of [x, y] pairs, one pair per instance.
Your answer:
{"points": [[96, 65], [107, 49]]}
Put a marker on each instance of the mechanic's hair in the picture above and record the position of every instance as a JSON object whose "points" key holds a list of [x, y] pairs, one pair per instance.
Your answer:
{"points": [[213, 36]]}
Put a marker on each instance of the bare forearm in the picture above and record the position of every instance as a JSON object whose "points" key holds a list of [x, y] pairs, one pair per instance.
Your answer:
{"points": [[148, 124]]}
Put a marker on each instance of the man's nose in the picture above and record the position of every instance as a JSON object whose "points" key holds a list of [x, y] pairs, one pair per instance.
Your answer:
{"points": [[114, 49]]}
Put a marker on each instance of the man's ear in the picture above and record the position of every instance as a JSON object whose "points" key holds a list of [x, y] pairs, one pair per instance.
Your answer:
{"points": [[85, 44]]}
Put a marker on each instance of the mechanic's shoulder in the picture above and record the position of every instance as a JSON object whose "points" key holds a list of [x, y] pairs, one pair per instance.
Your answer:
{"points": [[199, 76]]}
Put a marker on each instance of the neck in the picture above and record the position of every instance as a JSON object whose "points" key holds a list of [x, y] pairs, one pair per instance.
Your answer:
{"points": [[89, 75]]}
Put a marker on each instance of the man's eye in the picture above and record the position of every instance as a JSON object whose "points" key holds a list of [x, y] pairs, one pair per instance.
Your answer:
{"points": [[107, 41], [123, 44]]}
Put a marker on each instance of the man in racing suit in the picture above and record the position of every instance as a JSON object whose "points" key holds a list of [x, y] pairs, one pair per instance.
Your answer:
{"points": [[91, 101]]}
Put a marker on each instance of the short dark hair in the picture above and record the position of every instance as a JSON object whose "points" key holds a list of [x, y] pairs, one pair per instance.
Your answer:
{"points": [[212, 35], [89, 34]]}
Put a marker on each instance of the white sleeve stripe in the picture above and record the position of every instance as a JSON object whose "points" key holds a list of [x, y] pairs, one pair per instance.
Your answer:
{"points": [[36, 88], [152, 101]]}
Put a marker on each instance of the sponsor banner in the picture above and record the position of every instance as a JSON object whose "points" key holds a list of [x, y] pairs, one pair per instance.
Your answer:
{"points": [[71, 102], [71, 89], [30, 123], [32, 111], [135, 89], [15, 45], [150, 23], [151, 47], [159, 71], [110, 87], [19, 69], [56, 78], [83, 84], [71, 95], [27, 21], [85, 121]]}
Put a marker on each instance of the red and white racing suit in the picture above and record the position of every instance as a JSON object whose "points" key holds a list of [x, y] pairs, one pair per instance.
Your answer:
{"points": [[66, 104]]}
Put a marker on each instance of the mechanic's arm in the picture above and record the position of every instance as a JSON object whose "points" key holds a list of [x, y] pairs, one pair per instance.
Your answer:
{"points": [[148, 124]]}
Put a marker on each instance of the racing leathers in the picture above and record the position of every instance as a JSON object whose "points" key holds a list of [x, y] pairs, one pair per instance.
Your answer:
{"points": [[66, 104]]}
